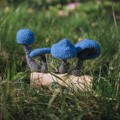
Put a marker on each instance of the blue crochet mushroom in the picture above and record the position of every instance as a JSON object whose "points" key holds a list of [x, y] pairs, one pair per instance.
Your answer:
{"points": [[25, 37], [86, 49], [63, 50], [41, 52]]}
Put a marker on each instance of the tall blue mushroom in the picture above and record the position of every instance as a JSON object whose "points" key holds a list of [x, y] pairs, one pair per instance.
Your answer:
{"points": [[41, 52], [25, 37], [63, 50], [86, 49]]}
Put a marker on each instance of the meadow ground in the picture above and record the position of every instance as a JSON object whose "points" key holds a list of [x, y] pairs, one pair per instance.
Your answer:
{"points": [[19, 101]]}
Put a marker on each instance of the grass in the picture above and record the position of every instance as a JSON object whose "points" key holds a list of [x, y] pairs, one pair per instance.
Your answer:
{"points": [[22, 102]]}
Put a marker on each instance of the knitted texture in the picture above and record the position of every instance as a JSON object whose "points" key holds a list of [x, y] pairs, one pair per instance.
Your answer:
{"points": [[39, 51], [91, 47], [25, 36], [34, 67], [63, 50], [63, 67], [77, 68]]}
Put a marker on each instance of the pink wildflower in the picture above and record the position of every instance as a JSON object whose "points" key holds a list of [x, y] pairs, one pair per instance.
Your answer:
{"points": [[72, 6]]}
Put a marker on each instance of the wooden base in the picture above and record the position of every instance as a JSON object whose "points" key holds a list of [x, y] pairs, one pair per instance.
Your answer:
{"points": [[45, 79]]}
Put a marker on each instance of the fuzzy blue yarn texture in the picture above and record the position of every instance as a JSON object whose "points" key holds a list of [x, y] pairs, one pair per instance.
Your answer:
{"points": [[25, 36], [39, 51], [88, 44], [64, 49]]}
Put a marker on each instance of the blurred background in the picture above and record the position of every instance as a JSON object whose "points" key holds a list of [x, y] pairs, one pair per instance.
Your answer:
{"points": [[88, 5]]}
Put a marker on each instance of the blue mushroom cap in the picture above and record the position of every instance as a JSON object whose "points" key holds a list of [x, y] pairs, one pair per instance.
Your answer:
{"points": [[64, 49], [25, 36], [39, 51], [87, 44]]}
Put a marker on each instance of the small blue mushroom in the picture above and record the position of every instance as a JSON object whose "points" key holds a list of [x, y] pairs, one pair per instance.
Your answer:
{"points": [[86, 49], [41, 52], [25, 37], [63, 50]]}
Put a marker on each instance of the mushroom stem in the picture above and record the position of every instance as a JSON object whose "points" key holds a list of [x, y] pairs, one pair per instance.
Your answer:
{"points": [[26, 49], [44, 67], [63, 67], [78, 67], [34, 67]]}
